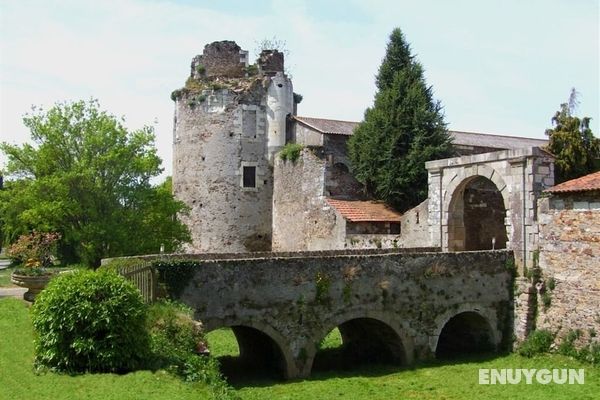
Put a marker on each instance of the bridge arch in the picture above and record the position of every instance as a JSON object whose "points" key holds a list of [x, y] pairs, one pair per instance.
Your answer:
{"points": [[468, 329], [465, 226], [259, 343], [365, 334]]}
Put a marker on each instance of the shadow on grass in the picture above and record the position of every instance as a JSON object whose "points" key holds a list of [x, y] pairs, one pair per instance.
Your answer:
{"points": [[332, 363]]}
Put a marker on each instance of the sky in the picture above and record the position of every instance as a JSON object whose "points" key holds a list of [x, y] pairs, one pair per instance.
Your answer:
{"points": [[497, 66]]}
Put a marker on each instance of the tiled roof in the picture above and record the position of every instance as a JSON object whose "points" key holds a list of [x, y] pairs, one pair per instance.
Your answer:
{"points": [[365, 211], [583, 184], [330, 126], [334, 127]]}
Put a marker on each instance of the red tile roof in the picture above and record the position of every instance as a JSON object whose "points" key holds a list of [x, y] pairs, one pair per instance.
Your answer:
{"points": [[365, 211], [583, 184], [346, 128]]}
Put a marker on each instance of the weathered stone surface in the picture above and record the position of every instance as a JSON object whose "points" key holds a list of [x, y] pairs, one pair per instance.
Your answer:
{"points": [[570, 259], [219, 133], [519, 175], [297, 299], [220, 59]]}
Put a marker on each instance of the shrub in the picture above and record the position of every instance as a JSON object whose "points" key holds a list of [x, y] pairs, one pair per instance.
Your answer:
{"points": [[33, 252], [174, 334], [538, 342], [175, 340], [90, 321], [567, 346], [291, 151]]}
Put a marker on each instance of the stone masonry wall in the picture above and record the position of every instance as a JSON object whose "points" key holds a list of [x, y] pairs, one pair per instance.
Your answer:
{"points": [[519, 175], [297, 300], [569, 259], [210, 150], [415, 228], [302, 220]]}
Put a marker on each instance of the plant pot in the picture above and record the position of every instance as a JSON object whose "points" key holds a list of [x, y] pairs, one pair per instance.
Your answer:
{"points": [[35, 284]]}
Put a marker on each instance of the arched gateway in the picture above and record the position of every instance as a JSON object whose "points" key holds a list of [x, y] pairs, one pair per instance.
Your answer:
{"points": [[485, 201]]}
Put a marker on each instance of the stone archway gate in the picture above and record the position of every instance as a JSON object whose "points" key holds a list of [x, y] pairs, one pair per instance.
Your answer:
{"points": [[520, 175], [296, 299]]}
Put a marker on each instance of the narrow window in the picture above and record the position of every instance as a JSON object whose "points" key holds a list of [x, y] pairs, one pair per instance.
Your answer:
{"points": [[395, 228], [249, 177], [249, 123]]}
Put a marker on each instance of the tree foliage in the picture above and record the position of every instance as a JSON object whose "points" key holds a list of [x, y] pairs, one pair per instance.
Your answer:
{"points": [[404, 129], [88, 178], [576, 149]]}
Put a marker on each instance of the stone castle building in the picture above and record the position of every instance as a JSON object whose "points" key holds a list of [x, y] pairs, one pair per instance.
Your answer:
{"points": [[231, 119]]}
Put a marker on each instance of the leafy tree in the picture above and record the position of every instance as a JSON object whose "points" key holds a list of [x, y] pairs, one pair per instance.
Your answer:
{"points": [[576, 149], [404, 129], [88, 178]]}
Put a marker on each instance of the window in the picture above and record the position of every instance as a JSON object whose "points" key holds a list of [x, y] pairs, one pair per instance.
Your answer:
{"points": [[394, 228], [249, 123], [249, 180]]}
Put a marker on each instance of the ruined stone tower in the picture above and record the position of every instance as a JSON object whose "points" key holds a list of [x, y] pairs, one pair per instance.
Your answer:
{"points": [[230, 120]]}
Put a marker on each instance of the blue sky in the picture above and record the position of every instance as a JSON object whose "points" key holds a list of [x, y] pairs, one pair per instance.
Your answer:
{"points": [[497, 66]]}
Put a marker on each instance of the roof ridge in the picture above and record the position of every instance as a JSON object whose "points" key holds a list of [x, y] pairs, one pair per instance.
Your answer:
{"points": [[303, 119], [496, 135], [328, 119]]}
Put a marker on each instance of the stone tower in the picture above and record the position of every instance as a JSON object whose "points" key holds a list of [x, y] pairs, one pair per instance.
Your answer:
{"points": [[230, 120]]}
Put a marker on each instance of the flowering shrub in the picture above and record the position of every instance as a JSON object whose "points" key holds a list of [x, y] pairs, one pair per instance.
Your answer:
{"points": [[33, 252]]}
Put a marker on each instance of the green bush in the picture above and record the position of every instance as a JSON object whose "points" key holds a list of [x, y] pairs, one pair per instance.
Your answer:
{"points": [[291, 151], [175, 337], [538, 342], [90, 321], [174, 334]]}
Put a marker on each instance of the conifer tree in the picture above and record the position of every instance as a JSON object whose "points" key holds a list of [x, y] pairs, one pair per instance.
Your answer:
{"points": [[576, 149], [404, 129]]}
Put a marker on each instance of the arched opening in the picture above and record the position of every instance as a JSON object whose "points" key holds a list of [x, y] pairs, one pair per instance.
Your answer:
{"points": [[246, 353], [358, 342], [476, 217], [465, 333]]}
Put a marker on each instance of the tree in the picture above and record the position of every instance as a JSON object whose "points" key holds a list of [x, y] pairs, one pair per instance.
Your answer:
{"points": [[88, 178], [572, 142], [404, 129]]}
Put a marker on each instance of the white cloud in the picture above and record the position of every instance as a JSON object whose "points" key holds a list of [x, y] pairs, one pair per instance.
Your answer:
{"points": [[498, 68]]}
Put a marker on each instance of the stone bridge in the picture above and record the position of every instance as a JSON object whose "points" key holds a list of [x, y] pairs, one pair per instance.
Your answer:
{"points": [[397, 305]]}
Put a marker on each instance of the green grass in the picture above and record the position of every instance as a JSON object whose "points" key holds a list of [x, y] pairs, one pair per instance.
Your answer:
{"points": [[434, 380], [5, 277], [19, 381]]}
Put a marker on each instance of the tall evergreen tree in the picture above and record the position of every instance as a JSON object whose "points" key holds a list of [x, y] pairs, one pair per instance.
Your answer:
{"points": [[404, 129], [576, 149]]}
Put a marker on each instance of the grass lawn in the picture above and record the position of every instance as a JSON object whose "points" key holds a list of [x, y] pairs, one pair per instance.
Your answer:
{"points": [[436, 380], [18, 380], [5, 277]]}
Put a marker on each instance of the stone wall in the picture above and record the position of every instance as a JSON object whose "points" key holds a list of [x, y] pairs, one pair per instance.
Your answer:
{"points": [[307, 136], [302, 219], [519, 175], [297, 300], [227, 127], [220, 59], [415, 228], [210, 150], [376, 241], [569, 259]]}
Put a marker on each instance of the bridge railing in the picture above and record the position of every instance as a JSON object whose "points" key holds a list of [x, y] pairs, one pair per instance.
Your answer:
{"points": [[144, 277]]}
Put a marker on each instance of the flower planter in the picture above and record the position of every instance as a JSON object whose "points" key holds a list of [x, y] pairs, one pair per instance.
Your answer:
{"points": [[35, 284]]}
